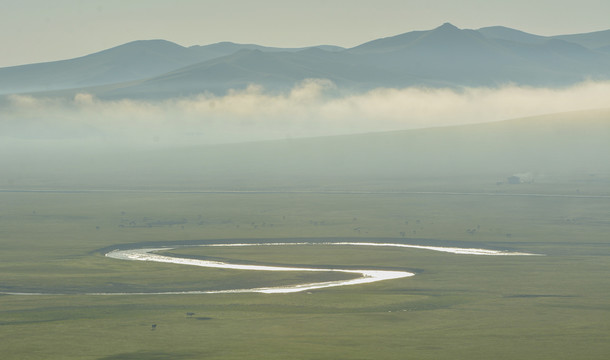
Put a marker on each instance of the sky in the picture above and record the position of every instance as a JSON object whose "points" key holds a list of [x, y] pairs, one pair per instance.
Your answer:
{"points": [[40, 30]]}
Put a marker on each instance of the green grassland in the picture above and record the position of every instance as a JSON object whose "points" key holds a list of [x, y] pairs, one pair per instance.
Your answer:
{"points": [[445, 187], [474, 307]]}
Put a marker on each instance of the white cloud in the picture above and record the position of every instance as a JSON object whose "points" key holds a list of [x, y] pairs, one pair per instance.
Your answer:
{"points": [[313, 108]]}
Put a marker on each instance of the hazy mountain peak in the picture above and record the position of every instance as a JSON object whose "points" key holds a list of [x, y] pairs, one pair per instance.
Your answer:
{"points": [[148, 42], [506, 33], [142, 47], [449, 35], [401, 41], [447, 27]]}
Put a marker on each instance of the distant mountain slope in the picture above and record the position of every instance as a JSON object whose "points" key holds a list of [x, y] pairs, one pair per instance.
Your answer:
{"points": [[136, 60], [445, 56], [468, 57], [570, 149], [217, 50], [547, 147], [279, 70], [131, 61], [605, 49], [592, 40], [505, 33]]}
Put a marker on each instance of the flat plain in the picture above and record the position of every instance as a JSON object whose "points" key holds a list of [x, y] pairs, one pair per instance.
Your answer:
{"points": [[443, 187], [457, 306]]}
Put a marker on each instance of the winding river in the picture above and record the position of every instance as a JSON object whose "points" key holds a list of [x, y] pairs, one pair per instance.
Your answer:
{"points": [[365, 276]]}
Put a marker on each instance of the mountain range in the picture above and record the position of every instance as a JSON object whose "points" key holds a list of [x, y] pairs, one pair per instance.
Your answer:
{"points": [[442, 57]]}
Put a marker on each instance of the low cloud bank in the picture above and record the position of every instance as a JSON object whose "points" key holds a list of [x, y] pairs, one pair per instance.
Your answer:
{"points": [[312, 108]]}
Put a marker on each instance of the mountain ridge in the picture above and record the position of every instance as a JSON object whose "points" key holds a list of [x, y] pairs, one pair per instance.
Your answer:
{"points": [[443, 56]]}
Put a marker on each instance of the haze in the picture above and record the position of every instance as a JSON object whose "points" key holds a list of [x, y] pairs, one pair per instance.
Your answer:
{"points": [[312, 108]]}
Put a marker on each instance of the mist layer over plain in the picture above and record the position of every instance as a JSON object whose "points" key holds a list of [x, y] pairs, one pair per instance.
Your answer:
{"points": [[408, 139], [312, 108]]}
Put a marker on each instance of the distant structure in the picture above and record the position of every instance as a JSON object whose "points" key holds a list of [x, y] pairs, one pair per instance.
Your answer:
{"points": [[526, 178], [514, 179]]}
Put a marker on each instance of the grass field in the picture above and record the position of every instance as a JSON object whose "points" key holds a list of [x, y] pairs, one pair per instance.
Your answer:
{"points": [[456, 307], [63, 205]]}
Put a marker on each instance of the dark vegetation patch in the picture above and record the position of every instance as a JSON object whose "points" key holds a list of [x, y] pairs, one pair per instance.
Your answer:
{"points": [[29, 322], [147, 222], [539, 296], [149, 356]]}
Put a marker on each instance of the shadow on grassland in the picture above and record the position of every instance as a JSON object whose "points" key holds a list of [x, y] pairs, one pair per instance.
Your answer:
{"points": [[149, 356]]}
